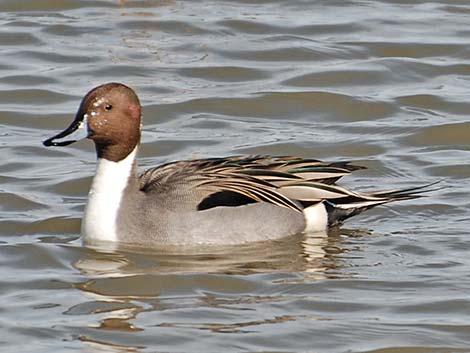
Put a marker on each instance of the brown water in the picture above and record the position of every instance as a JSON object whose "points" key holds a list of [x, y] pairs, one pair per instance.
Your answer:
{"points": [[384, 83]]}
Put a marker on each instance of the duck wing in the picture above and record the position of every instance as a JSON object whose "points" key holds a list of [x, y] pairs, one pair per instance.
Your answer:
{"points": [[237, 180]]}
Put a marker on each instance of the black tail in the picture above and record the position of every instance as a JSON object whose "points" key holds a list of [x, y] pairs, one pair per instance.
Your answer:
{"points": [[342, 208]]}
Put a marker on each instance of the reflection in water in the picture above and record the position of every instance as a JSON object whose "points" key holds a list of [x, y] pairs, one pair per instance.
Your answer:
{"points": [[106, 347], [304, 253], [237, 327], [127, 282]]}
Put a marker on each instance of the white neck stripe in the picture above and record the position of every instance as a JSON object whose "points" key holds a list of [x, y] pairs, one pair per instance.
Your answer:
{"points": [[104, 198]]}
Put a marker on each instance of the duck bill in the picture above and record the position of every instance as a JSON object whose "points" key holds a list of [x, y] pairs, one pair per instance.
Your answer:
{"points": [[78, 130]]}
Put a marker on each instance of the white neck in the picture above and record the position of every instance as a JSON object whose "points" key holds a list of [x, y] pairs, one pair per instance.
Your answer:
{"points": [[104, 199]]}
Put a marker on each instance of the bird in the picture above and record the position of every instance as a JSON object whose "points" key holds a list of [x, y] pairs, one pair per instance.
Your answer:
{"points": [[213, 201]]}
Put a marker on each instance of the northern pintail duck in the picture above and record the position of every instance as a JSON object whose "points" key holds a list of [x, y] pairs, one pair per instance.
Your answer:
{"points": [[228, 200]]}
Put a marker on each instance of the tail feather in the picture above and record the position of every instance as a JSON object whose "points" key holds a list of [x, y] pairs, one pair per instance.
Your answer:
{"points": [[341, 209], [414, 191]]}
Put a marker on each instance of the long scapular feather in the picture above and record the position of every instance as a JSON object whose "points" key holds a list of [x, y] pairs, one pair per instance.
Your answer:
{"points": [[259, 193], [313, 191]]}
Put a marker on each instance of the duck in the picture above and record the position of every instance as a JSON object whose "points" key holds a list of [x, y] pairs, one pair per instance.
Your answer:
{"points": [[220, 201]]}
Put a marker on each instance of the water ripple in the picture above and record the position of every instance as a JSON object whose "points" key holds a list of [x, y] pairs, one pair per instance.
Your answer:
{"points": [[383, 83]]}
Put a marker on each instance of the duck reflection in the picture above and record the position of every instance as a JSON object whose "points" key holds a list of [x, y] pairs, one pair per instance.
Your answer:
{"points": [[301, 253], [126, 287]]}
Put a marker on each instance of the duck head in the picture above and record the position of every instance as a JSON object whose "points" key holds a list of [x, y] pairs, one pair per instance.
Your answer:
{"points": [[110, 115]]}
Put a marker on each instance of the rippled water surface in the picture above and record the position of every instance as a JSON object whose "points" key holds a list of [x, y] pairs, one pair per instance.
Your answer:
{"points": [[384, 83]]}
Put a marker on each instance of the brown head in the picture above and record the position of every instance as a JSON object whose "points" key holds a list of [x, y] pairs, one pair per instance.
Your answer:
{"points": [[110, 115]]}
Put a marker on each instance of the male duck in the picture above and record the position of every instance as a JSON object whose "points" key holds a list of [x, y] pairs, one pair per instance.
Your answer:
{"points": [[228, 200]]}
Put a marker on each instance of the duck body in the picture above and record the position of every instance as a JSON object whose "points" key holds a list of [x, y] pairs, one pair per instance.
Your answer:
{"points": [[159, 207], [223, 201]]}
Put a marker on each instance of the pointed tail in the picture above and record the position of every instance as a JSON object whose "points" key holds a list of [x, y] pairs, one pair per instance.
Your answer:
{"points": [[343, 208]]}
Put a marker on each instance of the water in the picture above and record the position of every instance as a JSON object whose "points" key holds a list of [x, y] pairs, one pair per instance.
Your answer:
{"points": [[384, 83]]}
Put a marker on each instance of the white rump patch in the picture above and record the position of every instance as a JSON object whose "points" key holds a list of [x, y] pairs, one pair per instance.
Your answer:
{"points": [[316, 218], [104, 199]]}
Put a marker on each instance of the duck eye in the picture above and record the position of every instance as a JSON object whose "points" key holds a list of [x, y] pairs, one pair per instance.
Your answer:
{"points": [[108, 107]]}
